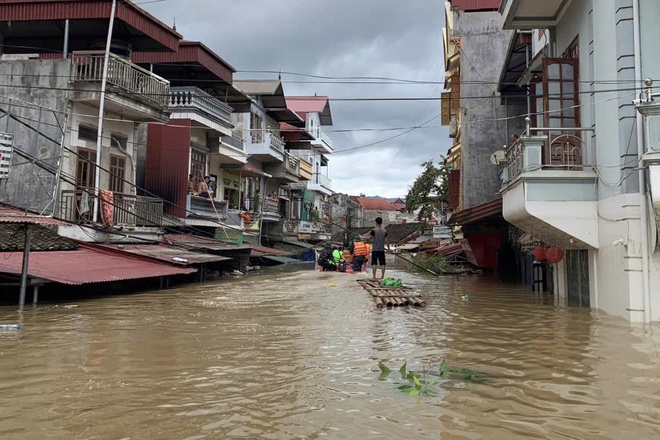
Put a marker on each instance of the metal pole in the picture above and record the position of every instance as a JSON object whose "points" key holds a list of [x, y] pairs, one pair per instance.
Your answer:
{"points": [[65, 51], [99, 135], [26, 262], [641, 149]]}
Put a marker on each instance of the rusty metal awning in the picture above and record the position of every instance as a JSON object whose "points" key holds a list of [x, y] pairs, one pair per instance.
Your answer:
{"points": [[170, 254], [31, 26], [89, 264]]}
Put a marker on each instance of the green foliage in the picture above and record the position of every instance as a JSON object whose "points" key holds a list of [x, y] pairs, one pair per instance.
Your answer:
{"points": [[428, 382], [429, 190], [434, 263]]}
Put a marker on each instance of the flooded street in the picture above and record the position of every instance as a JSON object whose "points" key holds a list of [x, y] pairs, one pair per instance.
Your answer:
{"points": [[294, 355]]}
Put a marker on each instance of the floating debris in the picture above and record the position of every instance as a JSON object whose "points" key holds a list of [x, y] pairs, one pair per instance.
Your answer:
{"points": [[10, 327]]}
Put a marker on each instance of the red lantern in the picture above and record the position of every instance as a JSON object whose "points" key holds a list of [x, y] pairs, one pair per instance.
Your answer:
{"points": [[554, 254], [540, 252]]}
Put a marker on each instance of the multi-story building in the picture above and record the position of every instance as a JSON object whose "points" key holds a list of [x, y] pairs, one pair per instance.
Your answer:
{"points": [[74, 110], [475, 47], [578, 178], [198, 141], [311, 198]]}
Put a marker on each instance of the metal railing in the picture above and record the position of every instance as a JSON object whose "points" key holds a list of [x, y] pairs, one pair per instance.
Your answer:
{"points": [[546, 148], [197, 99], [122, 74], [128, 210]]}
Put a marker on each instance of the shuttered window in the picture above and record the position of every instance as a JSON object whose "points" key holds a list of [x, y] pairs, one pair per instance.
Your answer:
{"points": [[446, 108]]}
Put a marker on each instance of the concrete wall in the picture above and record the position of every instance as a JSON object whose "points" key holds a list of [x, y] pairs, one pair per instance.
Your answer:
{"points": [[83, 114], [484, 48], [649, 11], [369, 217], [33, 91]]}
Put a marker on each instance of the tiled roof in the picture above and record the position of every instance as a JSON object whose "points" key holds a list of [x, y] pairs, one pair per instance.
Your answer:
{"points": [[369, 204], [396, 232]]}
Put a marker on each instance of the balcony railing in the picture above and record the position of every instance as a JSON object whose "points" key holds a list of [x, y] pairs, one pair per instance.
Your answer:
{"points": [[128, 210], [234, 142], [192, 98], [271, 206], [322, 180], [545, 148], [292, 164], [276, 142], [205, 207], [122, 74]]}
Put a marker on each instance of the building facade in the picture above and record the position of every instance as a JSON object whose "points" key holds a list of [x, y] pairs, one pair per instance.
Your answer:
{"points": [[578, 179]]}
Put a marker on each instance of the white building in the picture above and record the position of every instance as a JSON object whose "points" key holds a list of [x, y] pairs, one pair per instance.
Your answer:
{"points": [[579, 178]]}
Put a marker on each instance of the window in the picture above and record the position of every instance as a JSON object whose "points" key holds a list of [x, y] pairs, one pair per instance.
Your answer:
{"points": [[87, 133], [119, 141], [256, 128], [117, 173], [86, 168], [197, 165]]}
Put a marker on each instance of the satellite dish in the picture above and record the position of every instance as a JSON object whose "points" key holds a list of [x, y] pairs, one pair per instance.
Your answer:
{"points": [[498, 157]]}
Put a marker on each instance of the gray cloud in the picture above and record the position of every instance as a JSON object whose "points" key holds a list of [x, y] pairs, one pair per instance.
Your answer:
{"points": [[339, 38]]}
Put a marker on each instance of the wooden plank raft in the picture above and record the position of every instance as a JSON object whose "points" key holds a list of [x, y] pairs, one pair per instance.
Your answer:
{"points": [[392, 296]]}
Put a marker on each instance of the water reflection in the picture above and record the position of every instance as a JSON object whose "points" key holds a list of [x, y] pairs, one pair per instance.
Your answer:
{"points": [[284, 355]]}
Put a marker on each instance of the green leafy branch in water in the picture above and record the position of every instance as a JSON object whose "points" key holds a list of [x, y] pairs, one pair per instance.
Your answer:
{"points": [[419, 385]]}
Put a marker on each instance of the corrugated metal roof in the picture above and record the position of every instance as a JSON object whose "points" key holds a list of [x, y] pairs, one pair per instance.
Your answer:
{"points": [[260, 251], [476, 5], [13, 215], [190, 52], [160, 35], [471, 215], [311, 104], [196, 242], [88, 264], [169, 254], [281, 259]]}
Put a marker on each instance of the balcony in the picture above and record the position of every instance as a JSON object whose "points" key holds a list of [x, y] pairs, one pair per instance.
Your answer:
{"points": [[197, 105], [306, 170], [266, 146], [533, 14], [128, 210], [202, 211], [131, 90], [271, 210], [547, 189], [287, 171], [323, 142]]}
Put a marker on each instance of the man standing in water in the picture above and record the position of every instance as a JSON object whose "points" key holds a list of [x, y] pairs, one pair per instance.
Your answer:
{"points": [[378, 240]]}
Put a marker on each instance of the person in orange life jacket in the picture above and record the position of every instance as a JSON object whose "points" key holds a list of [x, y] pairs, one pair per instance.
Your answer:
{"points": [[379, 240], [359, 254]]}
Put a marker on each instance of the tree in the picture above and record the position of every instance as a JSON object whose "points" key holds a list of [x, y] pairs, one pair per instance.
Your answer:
{"points": [[429, 191]]}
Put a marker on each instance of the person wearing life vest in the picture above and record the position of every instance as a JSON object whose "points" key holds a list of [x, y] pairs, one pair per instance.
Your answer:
{"points": [[336, 255], [359, 254], [326, 259]]}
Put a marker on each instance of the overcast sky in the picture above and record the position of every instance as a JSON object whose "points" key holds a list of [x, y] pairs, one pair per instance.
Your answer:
{"points": [[339, 38]]}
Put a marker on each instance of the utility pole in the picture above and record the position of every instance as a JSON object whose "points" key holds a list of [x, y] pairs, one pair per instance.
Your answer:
{"points": [[99, 135]]}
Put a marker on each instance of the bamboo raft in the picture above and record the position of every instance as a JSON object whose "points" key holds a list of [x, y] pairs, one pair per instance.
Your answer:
{"points": [[392, 296]]}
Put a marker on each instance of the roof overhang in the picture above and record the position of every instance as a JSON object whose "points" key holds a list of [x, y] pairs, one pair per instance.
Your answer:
{"points": [[311, 104], [38, 26], [476, 213], [515, 67], [245, 170], [533, 14], [194, 62]]}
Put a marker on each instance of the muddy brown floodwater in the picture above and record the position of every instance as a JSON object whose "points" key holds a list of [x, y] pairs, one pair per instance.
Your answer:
{"points": [[294, 355]]}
